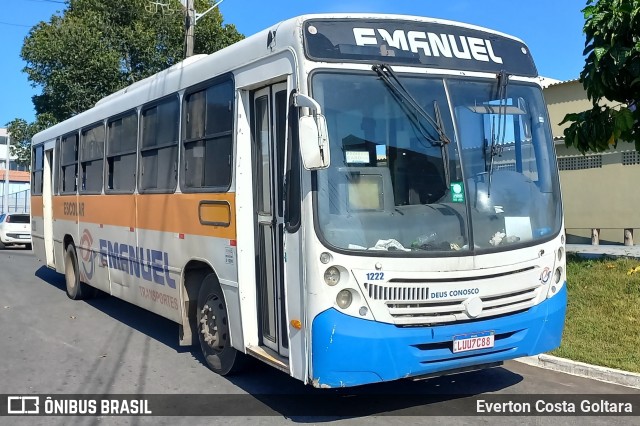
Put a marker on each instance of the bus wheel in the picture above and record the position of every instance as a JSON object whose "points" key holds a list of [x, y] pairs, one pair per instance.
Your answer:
{"points": [[76, 289], [213, 329]]}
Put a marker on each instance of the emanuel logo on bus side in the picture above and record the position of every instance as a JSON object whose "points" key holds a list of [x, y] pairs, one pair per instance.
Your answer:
{"points": [[151, 265], [431, 44]]}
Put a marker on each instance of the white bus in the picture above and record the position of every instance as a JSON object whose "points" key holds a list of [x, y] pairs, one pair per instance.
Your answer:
{"points": [[349, 198]]}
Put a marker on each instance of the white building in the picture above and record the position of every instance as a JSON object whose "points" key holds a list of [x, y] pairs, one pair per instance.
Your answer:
{"points": [[16, 184]]}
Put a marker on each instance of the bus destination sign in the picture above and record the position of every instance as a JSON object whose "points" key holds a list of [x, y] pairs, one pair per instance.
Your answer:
{"points": [[427, 44]]}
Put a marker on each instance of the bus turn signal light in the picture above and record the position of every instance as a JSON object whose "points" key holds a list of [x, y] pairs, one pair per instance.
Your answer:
{"points": [[296, 324]]}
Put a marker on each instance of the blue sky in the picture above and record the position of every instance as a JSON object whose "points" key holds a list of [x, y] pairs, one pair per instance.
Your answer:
{"points": [[551, 28]]}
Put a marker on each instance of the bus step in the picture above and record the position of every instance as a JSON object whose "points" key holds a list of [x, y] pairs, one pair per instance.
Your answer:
{"points": [[270, 357]]}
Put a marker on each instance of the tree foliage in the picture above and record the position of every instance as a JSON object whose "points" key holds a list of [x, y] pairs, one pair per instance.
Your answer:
{"points": [[96, 47], [612, 72]]}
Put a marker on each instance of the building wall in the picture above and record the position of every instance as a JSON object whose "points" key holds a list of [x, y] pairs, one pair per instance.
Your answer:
{"points": [[563, 98], [17, 186], [599, 190]]}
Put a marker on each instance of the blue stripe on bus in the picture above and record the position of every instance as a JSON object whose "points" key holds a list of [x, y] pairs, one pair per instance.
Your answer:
{"points": [[349, 351]]}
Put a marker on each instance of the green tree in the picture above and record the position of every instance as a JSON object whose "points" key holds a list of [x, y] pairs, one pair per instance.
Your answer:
{"points": [[99, 46], [96, 47], [612, 72]]}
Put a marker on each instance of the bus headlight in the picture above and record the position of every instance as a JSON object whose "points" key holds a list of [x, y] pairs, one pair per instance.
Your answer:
{"points": [[557, 283], [332, 276], [325, 257], [557, 275], [344, 299]]}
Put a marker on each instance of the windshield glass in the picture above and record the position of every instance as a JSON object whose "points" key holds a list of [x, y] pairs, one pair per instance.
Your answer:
{"points": [[406, 181]]}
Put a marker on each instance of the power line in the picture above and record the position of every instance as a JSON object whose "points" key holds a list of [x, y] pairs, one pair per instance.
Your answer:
{"points": [[37, 1], [48, 1], [15, 25]]}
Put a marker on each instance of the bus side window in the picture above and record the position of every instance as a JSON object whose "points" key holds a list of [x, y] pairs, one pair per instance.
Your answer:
{"points": [[37, 167], [159, 146], [69, 163], [121, 152], [208, 137], [92, 159]]}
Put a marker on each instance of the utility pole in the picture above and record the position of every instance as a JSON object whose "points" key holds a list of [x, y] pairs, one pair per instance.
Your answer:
{"points": [[190, 19], [5, 200], [189, 24]]}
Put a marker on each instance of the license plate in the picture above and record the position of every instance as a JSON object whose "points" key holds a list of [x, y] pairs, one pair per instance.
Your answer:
{"points": [[23, 236], [473, 341]]}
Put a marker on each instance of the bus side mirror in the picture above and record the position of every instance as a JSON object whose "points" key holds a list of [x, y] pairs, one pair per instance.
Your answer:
{"points": [[314, 136], [314, 142]]}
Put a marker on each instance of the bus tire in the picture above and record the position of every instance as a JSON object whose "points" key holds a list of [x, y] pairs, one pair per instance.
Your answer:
{"points": [[76, 289], [213, 329]]}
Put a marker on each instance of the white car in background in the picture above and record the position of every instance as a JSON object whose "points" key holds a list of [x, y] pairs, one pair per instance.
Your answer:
{"points": [[15, 228]]}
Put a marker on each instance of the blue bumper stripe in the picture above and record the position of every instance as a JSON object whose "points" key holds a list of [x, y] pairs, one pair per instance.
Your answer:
{"points": [[348, 351]]}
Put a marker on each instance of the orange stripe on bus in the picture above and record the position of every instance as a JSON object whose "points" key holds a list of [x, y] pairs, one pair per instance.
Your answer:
{"points": [[36, 206], [176, 213]]}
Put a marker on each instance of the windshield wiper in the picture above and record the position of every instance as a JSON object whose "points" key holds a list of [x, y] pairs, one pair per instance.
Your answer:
{"points": [[417, 114], [503, 82], [445, 151]]}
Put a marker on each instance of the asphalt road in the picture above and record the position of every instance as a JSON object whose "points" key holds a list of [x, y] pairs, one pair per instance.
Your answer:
{"points": [[50, 344]]}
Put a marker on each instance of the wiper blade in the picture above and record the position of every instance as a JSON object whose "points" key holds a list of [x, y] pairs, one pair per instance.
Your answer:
{"points": [[403, 96], [503, 82], [415, 112], [445, 151]]}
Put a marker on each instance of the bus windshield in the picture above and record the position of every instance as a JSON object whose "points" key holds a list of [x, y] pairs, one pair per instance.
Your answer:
{"points": [[474, 171]]}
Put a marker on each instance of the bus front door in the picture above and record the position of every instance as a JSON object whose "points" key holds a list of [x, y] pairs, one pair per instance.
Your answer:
{"points": [[269, 128]]}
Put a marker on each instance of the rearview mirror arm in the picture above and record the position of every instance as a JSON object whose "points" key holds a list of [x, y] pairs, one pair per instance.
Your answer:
{"points": [[304, 101]]}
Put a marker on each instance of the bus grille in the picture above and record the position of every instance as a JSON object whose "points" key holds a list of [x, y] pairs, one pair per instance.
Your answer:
{"points": [[410, 304]]}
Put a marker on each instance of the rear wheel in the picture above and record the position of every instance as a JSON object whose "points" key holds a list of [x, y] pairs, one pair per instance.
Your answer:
{"points": [[213, 329], [76, 289]]}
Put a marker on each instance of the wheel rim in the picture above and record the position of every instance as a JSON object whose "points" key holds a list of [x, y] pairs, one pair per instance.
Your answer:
{"points": [[213, 324]]}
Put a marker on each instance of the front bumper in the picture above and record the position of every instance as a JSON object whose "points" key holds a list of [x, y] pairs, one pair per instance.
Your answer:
{"points": [[348, 351]]}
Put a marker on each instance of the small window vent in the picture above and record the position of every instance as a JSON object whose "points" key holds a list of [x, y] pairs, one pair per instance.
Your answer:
{"points": [[630, 158], [580, 162]]}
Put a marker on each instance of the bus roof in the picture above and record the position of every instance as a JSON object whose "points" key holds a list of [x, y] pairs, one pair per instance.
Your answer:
{"points": [[200, 68]]}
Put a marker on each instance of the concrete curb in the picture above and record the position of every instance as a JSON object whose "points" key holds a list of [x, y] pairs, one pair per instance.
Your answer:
{"points": [[595, 252], [603, 374]]}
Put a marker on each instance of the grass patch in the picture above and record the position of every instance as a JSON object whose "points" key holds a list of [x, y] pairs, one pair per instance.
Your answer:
{"points": [[603, 313]]}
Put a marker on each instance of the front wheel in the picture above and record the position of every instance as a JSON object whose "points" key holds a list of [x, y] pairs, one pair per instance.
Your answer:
{"points": [[76, 289], [213, 329]]}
